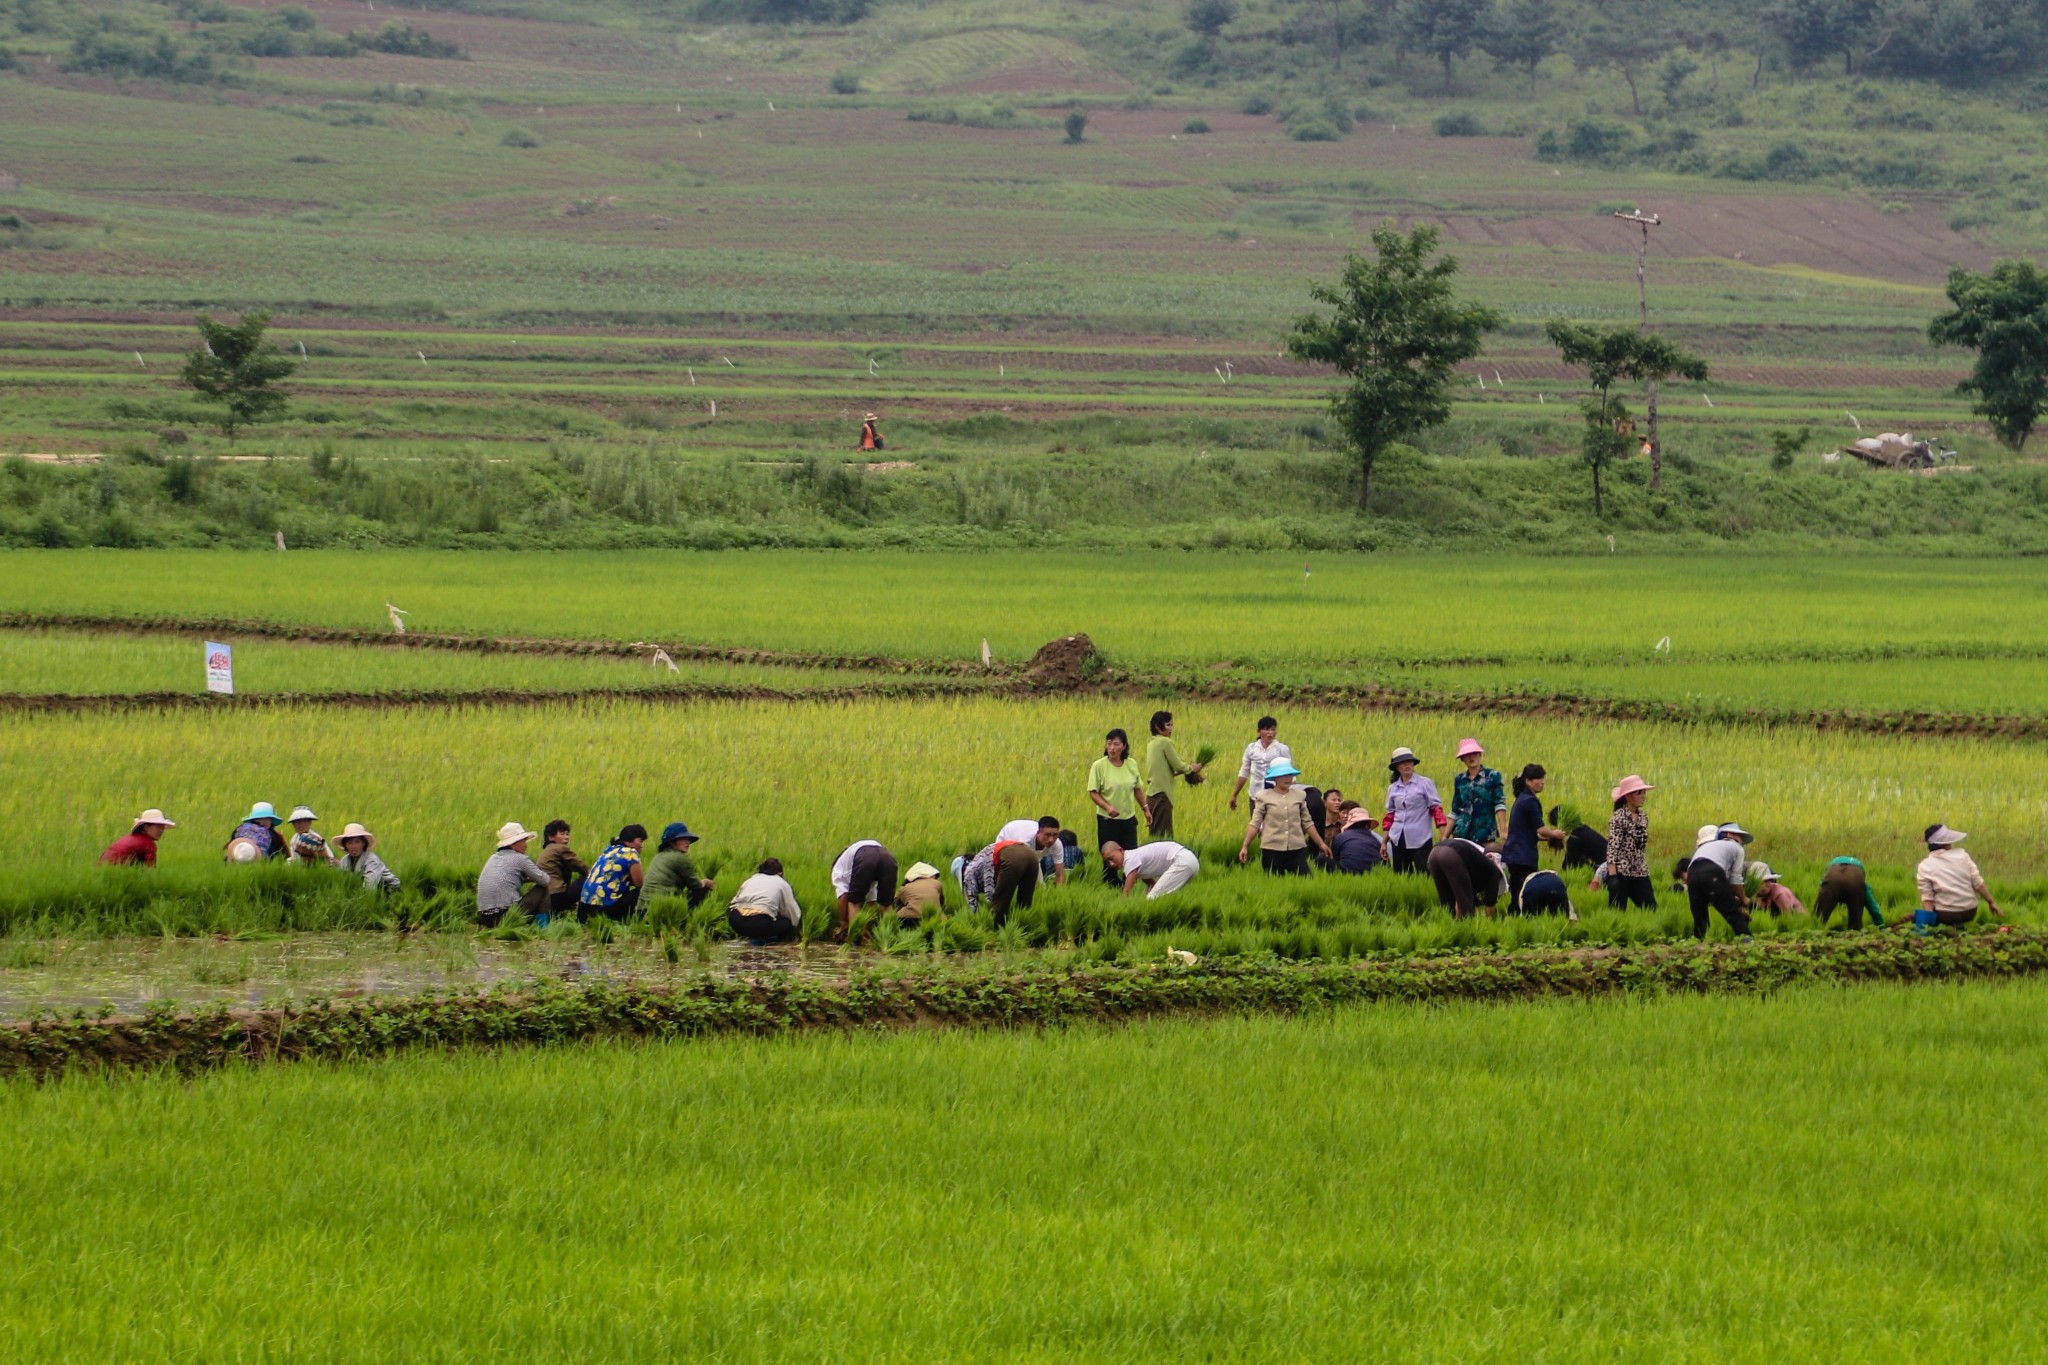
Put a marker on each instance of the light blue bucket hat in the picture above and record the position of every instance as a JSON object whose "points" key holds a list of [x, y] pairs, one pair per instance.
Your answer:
{"points": [[262, 810]]}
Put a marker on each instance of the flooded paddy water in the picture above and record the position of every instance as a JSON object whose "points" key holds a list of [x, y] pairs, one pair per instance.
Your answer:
{"points": [[131, 974]]}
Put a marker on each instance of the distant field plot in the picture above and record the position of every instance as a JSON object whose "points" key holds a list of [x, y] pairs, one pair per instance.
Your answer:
{"points": [[1649, 1172]]}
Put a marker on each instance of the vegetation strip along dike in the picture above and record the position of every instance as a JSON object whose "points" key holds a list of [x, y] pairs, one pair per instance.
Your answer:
{"points": [[47, 1047], [1067, 665]]}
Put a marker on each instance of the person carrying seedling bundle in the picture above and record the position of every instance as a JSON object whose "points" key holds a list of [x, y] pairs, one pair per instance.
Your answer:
{"points": [[358, 858], [1259, 756], [1844, 883], [1949, 883], [1479, 804], [870, 434], [1164, 867], [1282, 825], [307, 848], [863, 873], [137, 848], [1466, 877], [256, 838], [511, 878], [612, 887], [764, 909], [1628, 847], [1415, 813], [1163, 763], [1714, 879], [671, 871]]}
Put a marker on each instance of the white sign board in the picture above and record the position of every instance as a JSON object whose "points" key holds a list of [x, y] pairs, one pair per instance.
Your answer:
{"points": [[220, 668]]}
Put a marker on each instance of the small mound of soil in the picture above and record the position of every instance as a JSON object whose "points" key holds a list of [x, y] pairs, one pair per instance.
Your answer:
{"points": [[1064, 662]]}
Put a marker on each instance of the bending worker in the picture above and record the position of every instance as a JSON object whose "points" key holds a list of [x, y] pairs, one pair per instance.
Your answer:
{"points": [[1714, 879], [1466, 877], [1165, 867], [863, 873], [1844, 883], [1950, 884]]}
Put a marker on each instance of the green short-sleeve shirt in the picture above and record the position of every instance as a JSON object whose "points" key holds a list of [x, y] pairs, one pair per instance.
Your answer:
{"points": [[1117, 783]]}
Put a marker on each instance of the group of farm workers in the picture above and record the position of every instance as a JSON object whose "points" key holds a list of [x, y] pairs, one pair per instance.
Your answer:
{"points": [[1480, 848]]}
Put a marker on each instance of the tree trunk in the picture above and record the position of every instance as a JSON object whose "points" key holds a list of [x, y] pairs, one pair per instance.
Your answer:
{"points": [[1756, 77], [1532, 80], [1447, 73], [1656, 446], [1364, 483], [1713, 70], [1597, 510], [1635, 100]]}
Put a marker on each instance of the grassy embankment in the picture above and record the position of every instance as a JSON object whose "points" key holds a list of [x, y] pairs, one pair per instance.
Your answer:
{"points": [[1715, 1178]]}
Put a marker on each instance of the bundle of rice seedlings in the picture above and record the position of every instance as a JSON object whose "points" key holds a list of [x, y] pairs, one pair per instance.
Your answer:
{"points": [[1203, 756]]}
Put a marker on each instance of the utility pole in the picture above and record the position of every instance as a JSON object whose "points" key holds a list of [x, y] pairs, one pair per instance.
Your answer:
{"points": [[1643, 223]]}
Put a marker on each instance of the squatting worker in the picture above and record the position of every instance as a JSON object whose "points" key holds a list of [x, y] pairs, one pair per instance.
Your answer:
{"points": [[510, 878], [612, 888], [1713, 880], [1479, 804], [565, 870], [1116, 788], [1415, 813], [359, 859], [1950, 884], [1628, 847], [1282, 824], [921, 894], [1165, 867], [256, 837], [1844, 883], [764, 909], [1466, 877], [1356, 849], [1163, 763], [864, 872], [672, 871], [137, 848], [1259, 756]]}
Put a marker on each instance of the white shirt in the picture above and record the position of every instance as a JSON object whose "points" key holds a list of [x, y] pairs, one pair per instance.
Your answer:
{"points": [[1947, 880], [1259, 757], [842, 870], [1022, 831], [1725, 852], [766, 894], [1150, 861]]}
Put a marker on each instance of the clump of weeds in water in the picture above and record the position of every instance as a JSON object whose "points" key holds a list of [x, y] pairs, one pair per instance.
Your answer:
{"points": [[223, 969], [671, 949]]}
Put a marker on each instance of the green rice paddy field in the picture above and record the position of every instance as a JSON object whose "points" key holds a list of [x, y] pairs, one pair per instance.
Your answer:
{"points": [[1843, 1174]]}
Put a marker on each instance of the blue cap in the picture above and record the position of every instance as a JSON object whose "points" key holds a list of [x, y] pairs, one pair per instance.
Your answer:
{"points": [[675, 830], [1282, 769]]}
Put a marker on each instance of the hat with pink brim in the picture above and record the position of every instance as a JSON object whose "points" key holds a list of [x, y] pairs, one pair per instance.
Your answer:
{"points": [[1630, 785], [1469, 746]]}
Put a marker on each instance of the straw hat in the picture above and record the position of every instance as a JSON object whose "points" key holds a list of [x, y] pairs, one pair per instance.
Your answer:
{"points": [[352, 830], [919, 871], [153, 816], [1469, 745], [1631, 785], [871, 418], [512, 832]]}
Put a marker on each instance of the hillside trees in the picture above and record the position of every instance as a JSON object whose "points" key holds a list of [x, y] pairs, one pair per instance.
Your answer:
{"points": [[2003, 316], [1398, 332]]}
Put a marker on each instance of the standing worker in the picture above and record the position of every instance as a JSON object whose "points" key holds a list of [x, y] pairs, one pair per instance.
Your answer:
{"points": [[137, 848], [1628, 848], [1164, 866], [1163, 763], [1526, 830], [1844, 883], [863, 872], [1117, 789], [672, 871], [1282, 825], [1415, 813], [1949, 883], [510, 878], [1479, 805], [1713, 880], [1259, 756], [870, 434]]}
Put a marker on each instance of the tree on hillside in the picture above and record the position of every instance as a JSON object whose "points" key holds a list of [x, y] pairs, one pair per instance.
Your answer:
{"points": [[1344, 24], [1630, 40], [1398, 333], [236, 367], [1610, 355], [1814, 31], [1443, 29], [2003, 317], [1207, 17], [1523, 34]]}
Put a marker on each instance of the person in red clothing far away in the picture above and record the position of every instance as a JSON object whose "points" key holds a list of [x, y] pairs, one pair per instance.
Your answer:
{"points": [[870, 434], [137, 848]]}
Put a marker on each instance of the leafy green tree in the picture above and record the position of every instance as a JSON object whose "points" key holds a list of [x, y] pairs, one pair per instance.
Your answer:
{"points": [[1398, 332], [1443, 29], [1611, 355], [236, 367], [1630, 40], [1077, 125], [1523, 34], [1207, 18], [1786, 445], [1813, 31], [2003, 317]]}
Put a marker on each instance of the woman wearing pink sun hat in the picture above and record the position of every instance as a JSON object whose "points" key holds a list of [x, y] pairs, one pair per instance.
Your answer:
{"points": [[1628, 848], [1479, 803]]}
